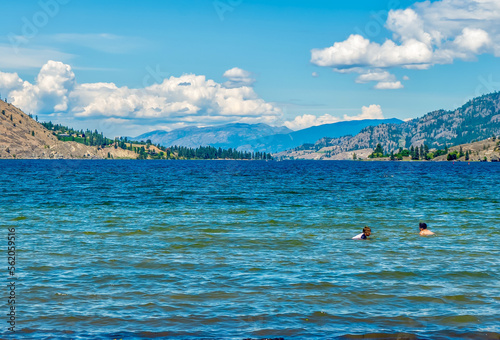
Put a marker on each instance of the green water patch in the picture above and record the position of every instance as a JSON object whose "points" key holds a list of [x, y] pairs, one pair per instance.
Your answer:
{"points": [[468, 212], [424, 299], [254, 269], [214, 230], [219, 295], [315, 286], [469, 274], [179, 246], [460, 199], [373, 296], [460, 299], [386, 275], [380, 336], [151, 264], [162, 228], [460, 319], [238, 212], [19, 218], [199, 245], [428, 287], [135, 232], [39, 269], [185, 297], [112, 221]]}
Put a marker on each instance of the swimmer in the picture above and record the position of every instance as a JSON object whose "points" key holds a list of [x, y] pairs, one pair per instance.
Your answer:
{"points": [[424, 231], [364, 235]]}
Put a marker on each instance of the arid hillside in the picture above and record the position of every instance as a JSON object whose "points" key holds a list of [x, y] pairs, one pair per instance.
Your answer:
{"points": [[486, 150], [21, 137]]}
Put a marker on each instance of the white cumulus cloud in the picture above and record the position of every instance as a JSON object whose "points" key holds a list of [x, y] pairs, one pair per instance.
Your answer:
{"points": [[389, 85], [9, 82], [423, 35], [367, 112], [375, 75], [473, 39], [307, 120], [238, 77]]}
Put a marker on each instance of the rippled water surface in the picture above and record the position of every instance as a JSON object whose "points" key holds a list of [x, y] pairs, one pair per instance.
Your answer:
{"points": [[233, 250]]}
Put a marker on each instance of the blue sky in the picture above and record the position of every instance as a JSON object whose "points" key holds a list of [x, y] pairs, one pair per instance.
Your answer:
{"points": [[268, 45]]}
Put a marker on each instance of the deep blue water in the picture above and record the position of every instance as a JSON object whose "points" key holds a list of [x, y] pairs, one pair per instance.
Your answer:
{"points": [[234, 249]]}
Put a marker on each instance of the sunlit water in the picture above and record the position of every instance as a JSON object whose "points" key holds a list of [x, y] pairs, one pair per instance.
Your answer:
{"points": [[234, 250]]}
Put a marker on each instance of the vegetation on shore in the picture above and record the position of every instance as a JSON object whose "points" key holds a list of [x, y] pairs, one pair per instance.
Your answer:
{"points": [[147, 150], [425, 153]]}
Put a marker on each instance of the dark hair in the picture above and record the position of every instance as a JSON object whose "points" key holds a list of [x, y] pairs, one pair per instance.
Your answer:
{"points": [[365, 229], [423, 225]]}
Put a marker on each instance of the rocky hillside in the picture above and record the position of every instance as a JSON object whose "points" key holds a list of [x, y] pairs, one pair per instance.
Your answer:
{"points": [[21, 137], [485, 150], [479, 119]]}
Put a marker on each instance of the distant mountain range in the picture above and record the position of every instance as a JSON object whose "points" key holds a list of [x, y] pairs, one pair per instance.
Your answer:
{"points": [[257, 137], [477, 120], [225, 136]]}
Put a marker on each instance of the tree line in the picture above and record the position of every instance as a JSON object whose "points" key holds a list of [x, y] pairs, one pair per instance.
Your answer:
{"points": [[145, 150], [416, 153]]}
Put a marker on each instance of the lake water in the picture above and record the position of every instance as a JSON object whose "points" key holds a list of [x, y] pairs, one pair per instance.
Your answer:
{"points": [[235, 249]]}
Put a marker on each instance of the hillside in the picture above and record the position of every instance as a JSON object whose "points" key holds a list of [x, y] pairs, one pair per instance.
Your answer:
{"points": [[224, 136], [478, 119], [485, 150], [22, 137]]}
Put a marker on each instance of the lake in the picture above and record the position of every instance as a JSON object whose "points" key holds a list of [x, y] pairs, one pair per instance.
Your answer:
{"points": [[239, 249]]}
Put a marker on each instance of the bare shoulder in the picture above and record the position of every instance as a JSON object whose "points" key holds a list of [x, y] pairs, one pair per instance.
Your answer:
{"points": [[426, 233]]}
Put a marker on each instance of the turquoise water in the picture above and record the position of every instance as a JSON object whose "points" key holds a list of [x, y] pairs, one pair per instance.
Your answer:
{"points": [[234, 250]]}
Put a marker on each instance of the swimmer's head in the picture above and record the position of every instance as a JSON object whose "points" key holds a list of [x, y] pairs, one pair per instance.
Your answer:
{"points": [[422, 226], [367, 231]]}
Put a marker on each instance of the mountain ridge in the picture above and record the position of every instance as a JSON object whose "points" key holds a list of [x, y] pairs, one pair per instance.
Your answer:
{"points": [[224, 136], [478, 119]]}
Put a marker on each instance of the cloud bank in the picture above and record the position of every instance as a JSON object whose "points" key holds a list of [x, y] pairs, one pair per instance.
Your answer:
{"points": [[426, 34], [177, 101]]}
